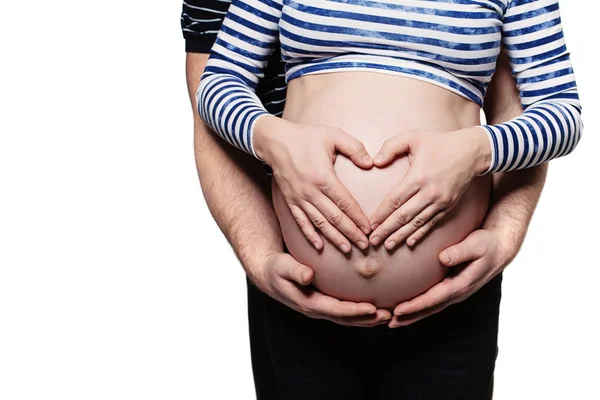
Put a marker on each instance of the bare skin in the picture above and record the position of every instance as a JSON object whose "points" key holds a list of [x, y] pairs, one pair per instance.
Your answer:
{"points": [[489, 250], [227, 175], [238, 195], [373, 108]]}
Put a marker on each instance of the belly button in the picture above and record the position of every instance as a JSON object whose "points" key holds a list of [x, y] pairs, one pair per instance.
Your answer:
{"points": [[368, 267]]}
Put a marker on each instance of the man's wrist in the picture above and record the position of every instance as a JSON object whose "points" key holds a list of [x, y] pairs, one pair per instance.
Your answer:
{"points": [[510, 240], [256, 265]]}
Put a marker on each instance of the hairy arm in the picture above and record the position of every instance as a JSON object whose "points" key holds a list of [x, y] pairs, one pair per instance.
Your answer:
{"points": [[235, 187], [487, 251], [237, 193]]}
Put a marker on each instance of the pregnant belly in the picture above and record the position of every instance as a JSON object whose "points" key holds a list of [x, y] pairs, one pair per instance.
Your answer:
{"points": [[376, 275]]}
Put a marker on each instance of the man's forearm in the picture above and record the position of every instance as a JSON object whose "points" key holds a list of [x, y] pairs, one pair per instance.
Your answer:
{"points": [[516, 193], [515, 198], [235, 187]]}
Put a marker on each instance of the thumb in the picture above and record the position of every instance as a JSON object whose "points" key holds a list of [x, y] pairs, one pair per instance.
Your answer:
{"points": [[353, 148], [294, 271], [393, 147], [467, 250]]}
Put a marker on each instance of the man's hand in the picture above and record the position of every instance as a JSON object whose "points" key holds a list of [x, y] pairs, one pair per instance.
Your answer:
{"points": [[484, 253], [286, 280]]}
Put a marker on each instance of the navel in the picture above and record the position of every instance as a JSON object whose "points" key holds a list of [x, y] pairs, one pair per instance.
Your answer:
{"points": [[368, 267]]}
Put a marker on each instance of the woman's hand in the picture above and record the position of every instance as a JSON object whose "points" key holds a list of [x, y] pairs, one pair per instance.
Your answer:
{"points": [[442, 165], [302, 158]]}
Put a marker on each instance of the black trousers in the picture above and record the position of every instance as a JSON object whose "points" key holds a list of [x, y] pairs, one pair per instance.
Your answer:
{"points": [[449, 355]]}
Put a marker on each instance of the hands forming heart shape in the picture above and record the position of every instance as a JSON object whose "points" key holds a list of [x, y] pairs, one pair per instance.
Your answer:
{"points": [[442, 165]]}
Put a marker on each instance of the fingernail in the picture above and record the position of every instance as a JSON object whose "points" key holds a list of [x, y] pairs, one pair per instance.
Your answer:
{"points": [[447, 258], [397, 313], [387, 318], [304, 276], [374, 225], [375, 240], [410, 242], [316, 244], [362, 245], [378, 157], [390, 245], [365, 230], [345, 248], [367, 159]]}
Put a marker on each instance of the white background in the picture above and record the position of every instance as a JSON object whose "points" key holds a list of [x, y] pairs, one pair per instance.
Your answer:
{"points": [[115, 282]]}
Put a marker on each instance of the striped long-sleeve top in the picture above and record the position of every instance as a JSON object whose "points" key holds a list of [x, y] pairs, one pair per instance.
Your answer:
{"points": [[450, 43]]}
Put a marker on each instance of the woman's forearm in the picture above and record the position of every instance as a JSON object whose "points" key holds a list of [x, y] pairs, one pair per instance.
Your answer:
{"points": [[551, 125], [235, 187], [238, 58]]}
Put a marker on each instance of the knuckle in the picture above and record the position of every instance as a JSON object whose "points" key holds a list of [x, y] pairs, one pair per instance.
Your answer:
{"points": [[432, 222], [335, 219], [320, 180], [395, 202], [419, 178], [433, 193], [417, 222], [300, 222], [343, 204], [403, 218], [305, 191], [445, 199], [319, 222]]}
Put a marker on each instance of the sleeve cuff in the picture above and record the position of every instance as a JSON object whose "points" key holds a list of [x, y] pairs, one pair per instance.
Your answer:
{"points": [[251, 134], [493, 147]]}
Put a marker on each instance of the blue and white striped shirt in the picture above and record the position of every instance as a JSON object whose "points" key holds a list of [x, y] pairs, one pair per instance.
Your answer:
{"points": [[450, 43]]}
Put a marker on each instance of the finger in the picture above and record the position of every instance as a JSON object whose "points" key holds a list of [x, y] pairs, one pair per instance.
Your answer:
{"points": [[428, 220], [440, 293], [294, 271], [328, 230], [395, 199], [340, 221], [393, 147], [345, 202], [398, 223], [405, 320], [330, 307], [352, 148], [379, 318], [306, 226], [469, 249]]}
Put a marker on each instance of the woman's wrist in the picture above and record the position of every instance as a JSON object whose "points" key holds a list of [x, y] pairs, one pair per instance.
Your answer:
{"points": [[266, 128], [482, 147], [268, 132]]}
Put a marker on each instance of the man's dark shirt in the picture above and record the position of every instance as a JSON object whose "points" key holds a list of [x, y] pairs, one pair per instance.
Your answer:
{"points": [[201, 21]]}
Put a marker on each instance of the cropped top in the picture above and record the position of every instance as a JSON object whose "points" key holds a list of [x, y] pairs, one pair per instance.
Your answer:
{"points": [[450, 43]]}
